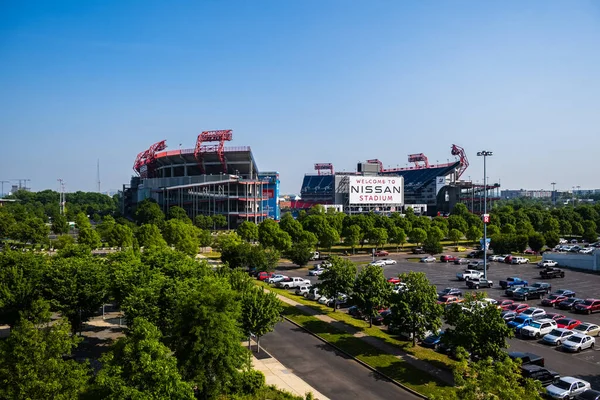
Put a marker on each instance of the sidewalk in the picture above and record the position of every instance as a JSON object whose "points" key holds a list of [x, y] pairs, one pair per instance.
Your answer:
{"points": [[278, 375], [443, 375]]}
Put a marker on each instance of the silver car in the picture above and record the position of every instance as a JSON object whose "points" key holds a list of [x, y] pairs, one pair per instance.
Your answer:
{"points": [[578, 342], [557, 336]]}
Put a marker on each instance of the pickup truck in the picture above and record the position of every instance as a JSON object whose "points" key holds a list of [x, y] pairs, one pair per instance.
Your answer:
{"points": [[479, 282], [469, 274], [518, 323], [547, 263], [527, 358], [528, 292], [294, 282], [512, 281], [551, 272], [543, 285]]}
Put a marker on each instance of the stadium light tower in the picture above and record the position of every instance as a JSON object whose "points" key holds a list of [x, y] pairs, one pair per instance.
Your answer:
{"points": [[486, 218], [553, 193]]}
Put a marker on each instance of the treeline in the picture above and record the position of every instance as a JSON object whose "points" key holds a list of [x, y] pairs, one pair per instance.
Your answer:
{"points": [[185, 322]]}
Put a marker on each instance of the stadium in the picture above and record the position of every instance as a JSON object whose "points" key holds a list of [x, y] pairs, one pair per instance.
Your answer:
{"points": [[428, 189], [209, 179]]}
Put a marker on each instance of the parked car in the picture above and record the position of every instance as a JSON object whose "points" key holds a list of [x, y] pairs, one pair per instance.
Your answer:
{"points": [[518, 323], [586, 328], [504, 304], [497, 258], [428, 259], [570, 303], [303, 289], [588, 306], [528, 292], [508, 315], [262, 276], [394, 280], [388, 261], [534, 312], [276, 278], [578, 342], [568, 323], [552, 272], [537, 373], [512, 281], [557, 336], [519, 260], [418, 250], [447, 258], [381, 253], [554, 316], [461, 261], [538, 328], [518, 307], [356, 313], [475, 254], [293, 282], [316, 271], [313, 294], [589, 394], [565, 292], [477, 265], [567, 387], [553, 300], [433, 341], [449, 291], [479, 282], [547, 263], [379, 263], [527, 358], [446, 300]]}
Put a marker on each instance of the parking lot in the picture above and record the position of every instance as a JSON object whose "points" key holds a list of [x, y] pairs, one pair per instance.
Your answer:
{"points": [[585, 365]]}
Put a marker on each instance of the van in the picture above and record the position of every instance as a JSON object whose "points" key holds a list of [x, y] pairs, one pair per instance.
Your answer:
{"points": [[477, 265]]}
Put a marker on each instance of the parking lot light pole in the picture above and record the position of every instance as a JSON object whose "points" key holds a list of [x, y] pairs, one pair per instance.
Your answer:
{"points": [[485, 216]]}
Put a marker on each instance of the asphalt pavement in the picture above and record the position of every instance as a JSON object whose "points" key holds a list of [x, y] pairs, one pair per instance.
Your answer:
{"points": [[324, 368], [585, 365]]}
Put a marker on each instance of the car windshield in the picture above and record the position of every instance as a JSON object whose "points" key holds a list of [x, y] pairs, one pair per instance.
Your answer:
{"points": [[571, 301], [588, 302], [574, 339], [555, 332], [562, 384], [519, 320], [534, 325], [553, 297], [563, 321], [582, 327]]}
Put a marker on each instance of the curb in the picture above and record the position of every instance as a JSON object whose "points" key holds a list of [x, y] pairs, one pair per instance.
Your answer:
{"points": [[395, 382]]}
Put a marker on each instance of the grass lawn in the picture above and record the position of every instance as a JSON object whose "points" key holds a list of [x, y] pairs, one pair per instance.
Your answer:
{"points": [[387, 364]]}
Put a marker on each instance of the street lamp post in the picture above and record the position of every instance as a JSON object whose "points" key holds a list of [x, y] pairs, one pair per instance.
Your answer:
{"points": [[486, 218]]}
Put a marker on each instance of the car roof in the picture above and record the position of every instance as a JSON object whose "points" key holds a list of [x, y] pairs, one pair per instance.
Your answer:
{"points": [[543, 320], [579, 335], [570, 379]]}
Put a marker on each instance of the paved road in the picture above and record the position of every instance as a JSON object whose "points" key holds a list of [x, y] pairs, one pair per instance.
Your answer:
{"points": [[330, 372], [585, 365]]}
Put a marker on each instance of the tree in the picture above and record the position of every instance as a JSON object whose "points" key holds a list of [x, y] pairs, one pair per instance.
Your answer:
{"points": [[300, 253], [219, 221], [455, 235], [418, 235], [121, 236], [248, 231], [537, 241], [337, 279], [260, 312], [377, 236], [473, 233], [271, 235], [182, 236], [105, 228], [479, 329], [32, 230], [179, 213], [204, 222], [371, 291], [82, 221], [89, 237], [460, 210], [457, 222], [590, 235], [139, 366], [148, 235], [207, 336], [551, 224], [415, 309], [352, 236], [490, 379], [397, 236], [576, 228], [63, 241], [34, 363], [432, 246], [435, 234], [148, 212], [77, 287], [329, 238], [508, 229], [60, 225], [551, 238]]}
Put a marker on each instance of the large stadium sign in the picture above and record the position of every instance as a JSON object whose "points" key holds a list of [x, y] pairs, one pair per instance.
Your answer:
{"points": [[376, 190]]}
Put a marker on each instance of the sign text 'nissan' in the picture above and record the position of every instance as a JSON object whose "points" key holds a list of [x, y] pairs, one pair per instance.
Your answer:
{"points": [[376, 190]]}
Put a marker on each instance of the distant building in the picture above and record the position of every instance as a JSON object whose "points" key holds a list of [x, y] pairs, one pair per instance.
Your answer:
{"points": [[524, 193]]}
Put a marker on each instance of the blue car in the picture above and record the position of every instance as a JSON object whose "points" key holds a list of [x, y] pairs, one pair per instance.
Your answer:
{"points": [[519, 323], [433, 340]]}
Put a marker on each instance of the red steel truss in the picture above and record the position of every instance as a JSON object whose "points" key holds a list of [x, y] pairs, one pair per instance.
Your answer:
{"points": [[324, 167], [212, 136], [147, 158], [417, 158], [464, 161]]}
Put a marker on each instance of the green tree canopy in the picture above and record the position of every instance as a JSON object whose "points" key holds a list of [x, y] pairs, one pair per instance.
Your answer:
{"points": [[248, 231], [371, 291], [418, 235], [219, 221], [537, 241], [148, 235], [182, 236], [397, 236], [179, 213], [148, 212], [473, 233], [455, 235], [337, 279], [260, 312], [203, 222], [352, 236], [271, 235], [89, 237], [60, 225]]}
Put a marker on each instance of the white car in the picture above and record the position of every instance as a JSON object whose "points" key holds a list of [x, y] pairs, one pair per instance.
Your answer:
{"points": [[428, 259], [587, 250], [388, 261], [537, 329], [567, 387], [496, 258], [469, 274], [316, 271], [379, 263], [547, 263], [303, 289], [399, 287], [312, 294], [557, 336], [276, 278], [520, 260], [534, 312], [578, 342]]}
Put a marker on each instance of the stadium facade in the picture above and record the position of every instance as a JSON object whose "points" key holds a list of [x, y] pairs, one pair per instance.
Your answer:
{"points": [[210, 179], [427, 189]]}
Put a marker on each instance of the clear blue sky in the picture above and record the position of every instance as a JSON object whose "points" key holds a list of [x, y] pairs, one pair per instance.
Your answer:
{"points": [[301, 82]]}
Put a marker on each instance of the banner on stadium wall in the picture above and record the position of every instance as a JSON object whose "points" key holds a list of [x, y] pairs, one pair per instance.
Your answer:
{"points": [[440, 182], [376, 190]]}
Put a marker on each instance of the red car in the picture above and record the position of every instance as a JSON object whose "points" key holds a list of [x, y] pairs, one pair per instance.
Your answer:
{"points": [[394, 280], [381, 253], [264, 275], [588, 306], [568, 323], [554, 316], [447, 258], [518, 307], [504, 304], [553, 300]]}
